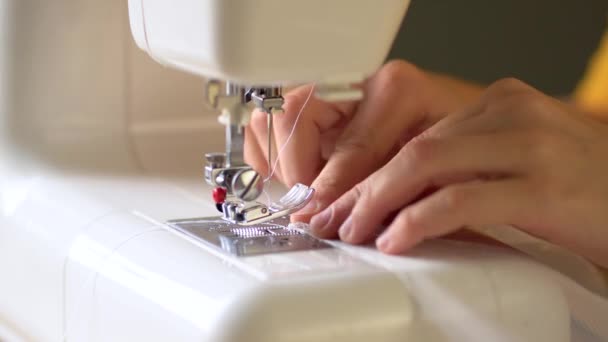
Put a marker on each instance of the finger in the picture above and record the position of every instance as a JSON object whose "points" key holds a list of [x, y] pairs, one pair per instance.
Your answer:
{"points": [[322, 225], [390, 108], [254, 155], [329, 139], [469, 235], [474, 122], [298, 133], [423, 164], [456, 206], [475, 118], [447, 126]]}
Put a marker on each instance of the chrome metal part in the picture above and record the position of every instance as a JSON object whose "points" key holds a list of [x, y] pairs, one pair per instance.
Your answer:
{"points": [[235, 145], [229, 169], [270, 127], [247, 185], [270, 237], [251, 213], [218, 173], [269, 100]]}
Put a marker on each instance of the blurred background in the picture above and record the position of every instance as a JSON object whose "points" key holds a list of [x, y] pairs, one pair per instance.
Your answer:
{"points": [[546, 43]]}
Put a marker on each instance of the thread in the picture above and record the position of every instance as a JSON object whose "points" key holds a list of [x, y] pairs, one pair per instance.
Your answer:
{"points": [[293, 129], [266, 193], [93, 279]]}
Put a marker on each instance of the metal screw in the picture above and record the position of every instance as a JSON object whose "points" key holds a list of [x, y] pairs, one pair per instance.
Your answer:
{"points": [[247, 185]]}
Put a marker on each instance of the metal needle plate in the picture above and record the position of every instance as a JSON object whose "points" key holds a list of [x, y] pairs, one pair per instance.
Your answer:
{"points": [[270, 237]]}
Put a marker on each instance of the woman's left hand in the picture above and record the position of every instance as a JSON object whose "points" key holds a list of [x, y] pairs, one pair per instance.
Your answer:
{"points": [[517, 157]]}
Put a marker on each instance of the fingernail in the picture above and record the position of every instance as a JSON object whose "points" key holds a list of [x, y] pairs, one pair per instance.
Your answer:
{"points": [[310, 209], [383, 242], [346, 229], [320, 221]]}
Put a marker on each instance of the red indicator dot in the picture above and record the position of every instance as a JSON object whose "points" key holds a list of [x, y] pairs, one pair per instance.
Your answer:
{"points": [[219, 195]]}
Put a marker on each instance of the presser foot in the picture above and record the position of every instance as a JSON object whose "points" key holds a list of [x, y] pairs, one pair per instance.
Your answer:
{"points": [[252, 228], [251, 213]]}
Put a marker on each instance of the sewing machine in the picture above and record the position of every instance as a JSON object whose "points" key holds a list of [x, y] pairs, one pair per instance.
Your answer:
{"points": [[102, 188], [249, 51]]}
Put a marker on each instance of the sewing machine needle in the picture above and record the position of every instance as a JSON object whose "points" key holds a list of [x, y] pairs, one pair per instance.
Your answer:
{"points": [[270, 125]]}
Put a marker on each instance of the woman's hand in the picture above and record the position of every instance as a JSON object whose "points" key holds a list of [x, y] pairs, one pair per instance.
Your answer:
{"points": [[335, 146], [516, 157]]}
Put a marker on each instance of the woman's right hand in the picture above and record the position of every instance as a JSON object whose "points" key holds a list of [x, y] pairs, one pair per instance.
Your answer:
{"points": [[336, 145]]}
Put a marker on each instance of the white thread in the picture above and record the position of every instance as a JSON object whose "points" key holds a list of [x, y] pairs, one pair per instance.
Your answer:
{"points": [[266, 193], [293, 129], [93, 278]]}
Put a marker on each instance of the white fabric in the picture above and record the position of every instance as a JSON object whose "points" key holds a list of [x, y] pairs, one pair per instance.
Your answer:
{"points": [[583, 286]]}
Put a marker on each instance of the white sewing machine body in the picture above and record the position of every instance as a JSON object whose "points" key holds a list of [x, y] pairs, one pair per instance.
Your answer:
{"points": [[99, 147], [268, 42]]}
